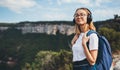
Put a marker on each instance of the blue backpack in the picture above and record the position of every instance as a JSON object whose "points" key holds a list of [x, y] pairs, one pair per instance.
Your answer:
{"points": [[104, 58]]}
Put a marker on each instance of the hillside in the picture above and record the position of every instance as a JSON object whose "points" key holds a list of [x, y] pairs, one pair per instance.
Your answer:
{"points": [[22, 41]]}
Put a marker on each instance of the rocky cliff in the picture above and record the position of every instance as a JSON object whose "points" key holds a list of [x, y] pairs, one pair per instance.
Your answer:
{"points": [[47, 28]]}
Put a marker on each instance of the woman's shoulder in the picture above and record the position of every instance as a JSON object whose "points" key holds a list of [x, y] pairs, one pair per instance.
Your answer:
{"points": [[93, 35]]}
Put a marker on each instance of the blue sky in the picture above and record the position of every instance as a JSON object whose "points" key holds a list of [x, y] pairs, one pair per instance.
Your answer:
{"points": [[55, 10]]}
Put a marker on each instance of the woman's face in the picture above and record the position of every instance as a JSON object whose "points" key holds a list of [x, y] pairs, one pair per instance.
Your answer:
{"points": [[80, 17]]}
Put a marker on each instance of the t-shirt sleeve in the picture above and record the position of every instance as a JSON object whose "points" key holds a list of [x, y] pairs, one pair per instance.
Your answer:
{"points": [[93, 42]]}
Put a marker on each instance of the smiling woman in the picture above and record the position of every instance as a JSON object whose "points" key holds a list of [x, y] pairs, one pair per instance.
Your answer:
{"points": [[84, 58]]}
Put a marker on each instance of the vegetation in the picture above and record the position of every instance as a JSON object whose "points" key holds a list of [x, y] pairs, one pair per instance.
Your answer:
{"points": [[23, 48], [40, 51], [112, 36], [49, 60]]}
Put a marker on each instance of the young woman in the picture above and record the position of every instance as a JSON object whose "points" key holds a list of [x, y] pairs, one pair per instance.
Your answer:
{"points": [[84, 58]]}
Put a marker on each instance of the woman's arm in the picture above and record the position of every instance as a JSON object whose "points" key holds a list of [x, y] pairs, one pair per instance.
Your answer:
{"points": [[91, 55]]}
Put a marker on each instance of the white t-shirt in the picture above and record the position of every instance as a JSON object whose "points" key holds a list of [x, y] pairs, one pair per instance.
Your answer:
{"points": [[78, 50]]}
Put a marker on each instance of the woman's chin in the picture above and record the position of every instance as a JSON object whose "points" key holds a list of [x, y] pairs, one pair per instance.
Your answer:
{"points": [[80, 23]]}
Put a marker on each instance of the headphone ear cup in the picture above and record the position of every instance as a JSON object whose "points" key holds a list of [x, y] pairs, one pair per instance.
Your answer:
{"points": [[74, 20], [89, 19]]}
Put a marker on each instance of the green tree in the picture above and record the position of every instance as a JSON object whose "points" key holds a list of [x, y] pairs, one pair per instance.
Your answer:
{"points": [[49, 60], [112, 36]]}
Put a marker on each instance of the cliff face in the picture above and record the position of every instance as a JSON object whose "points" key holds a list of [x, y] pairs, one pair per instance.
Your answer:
{"points": [[49, 29], [43, 28], [52, 27]]}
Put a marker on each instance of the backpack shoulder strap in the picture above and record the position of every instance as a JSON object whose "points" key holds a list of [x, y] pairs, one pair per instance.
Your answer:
{"points": [[92, 31]]}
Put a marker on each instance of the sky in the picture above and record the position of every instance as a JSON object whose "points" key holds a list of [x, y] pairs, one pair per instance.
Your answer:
{"points": [[13, 11]]}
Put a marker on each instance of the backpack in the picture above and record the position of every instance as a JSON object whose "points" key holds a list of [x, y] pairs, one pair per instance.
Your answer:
{"points": [[104, 58]]}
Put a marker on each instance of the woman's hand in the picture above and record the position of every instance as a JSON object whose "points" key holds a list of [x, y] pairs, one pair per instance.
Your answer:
{"points": [[85, 39], [74, 39]]}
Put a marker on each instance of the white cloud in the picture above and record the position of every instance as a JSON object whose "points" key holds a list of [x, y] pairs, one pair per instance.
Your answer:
{"points": [[58, 2], [50, 2], [86, 2], [54, 16], [99, 2], [91, 3], [106, 12], [80, 2], [61, 9], [74, 1], [67, 1], [103, 14], [17, 5]]}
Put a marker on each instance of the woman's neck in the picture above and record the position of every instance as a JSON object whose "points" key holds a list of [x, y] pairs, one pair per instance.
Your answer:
{"points": [[84, 28]]}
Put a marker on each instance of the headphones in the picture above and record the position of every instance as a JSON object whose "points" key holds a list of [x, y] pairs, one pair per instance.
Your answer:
{"points": [[89, 16]]}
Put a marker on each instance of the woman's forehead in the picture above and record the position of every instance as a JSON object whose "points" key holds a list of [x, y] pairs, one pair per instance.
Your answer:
{"points": [[81, 11]]}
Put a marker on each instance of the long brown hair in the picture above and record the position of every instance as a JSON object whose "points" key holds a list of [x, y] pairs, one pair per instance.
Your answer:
{"points": [[89, 25]]}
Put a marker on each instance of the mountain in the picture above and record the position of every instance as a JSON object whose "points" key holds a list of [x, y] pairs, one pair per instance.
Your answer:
{"points": [[52, 27]]}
